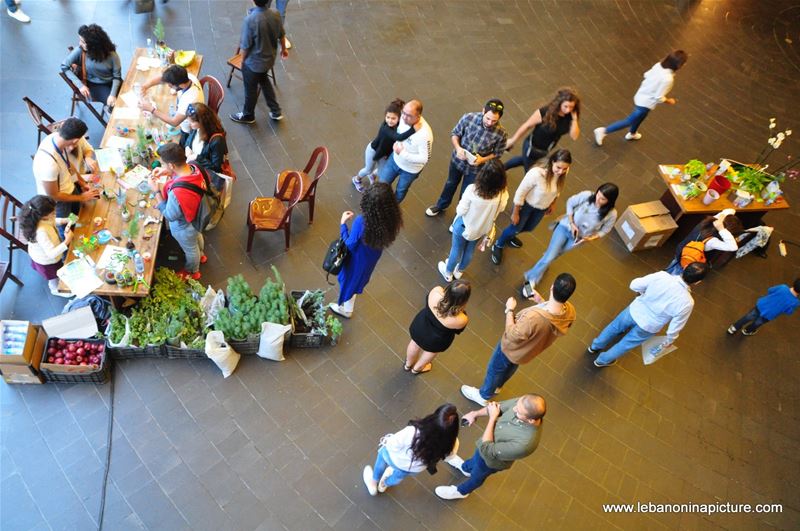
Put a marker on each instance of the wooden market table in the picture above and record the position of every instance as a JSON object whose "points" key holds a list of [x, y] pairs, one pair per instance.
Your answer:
{"points": [[689, 212], [108, 209]]}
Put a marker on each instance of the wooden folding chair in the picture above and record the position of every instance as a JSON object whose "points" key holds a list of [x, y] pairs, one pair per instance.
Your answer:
{"points": [[235, 63], [10, 206]]}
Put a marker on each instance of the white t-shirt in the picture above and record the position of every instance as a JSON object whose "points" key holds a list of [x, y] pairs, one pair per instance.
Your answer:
{"points": [[416, 148], [399, 447], [478, 213], [50, 166], [535, 191], [194, 94], [197, 144]]}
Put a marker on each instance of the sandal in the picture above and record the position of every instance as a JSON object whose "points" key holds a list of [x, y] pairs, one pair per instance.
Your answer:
{"points": [[406, 367], [426, 368]]}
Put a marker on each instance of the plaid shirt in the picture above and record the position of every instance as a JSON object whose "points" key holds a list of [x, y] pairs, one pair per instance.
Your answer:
{"points": [[477, 139]]}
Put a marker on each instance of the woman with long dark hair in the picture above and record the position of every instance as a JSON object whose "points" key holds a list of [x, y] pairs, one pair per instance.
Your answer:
{"points": [[37, 223], [476, 213], [590, 216], [417, 447], [549, 124], [373, 231], [435, 326], [717, 233], [535, 196], [206, 144], [94, 65]]}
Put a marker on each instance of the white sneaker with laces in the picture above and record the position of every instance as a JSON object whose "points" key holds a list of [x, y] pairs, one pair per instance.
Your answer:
{"points": [[372, 485], [335, 308], [457, 273], [288, 44], [599, 135], [457, 463], [443, 271], [474, 394], [449, 492], [633, 136], [19, 14]]}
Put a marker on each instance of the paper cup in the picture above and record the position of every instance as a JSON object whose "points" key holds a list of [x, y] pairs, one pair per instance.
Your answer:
{"points": [[710, 197]]}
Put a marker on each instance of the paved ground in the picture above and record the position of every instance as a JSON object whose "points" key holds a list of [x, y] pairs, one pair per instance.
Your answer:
{"points": [[281, 445]]}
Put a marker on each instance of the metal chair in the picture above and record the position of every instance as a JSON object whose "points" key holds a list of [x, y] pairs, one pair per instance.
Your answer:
{"points": [[216, 94], [270, 214], [319, 158], [10, 207]]}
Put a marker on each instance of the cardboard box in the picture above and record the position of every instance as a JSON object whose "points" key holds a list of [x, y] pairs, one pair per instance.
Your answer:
{"points": [[11, 350], [645, 226], [20, 374], [78, 324]]}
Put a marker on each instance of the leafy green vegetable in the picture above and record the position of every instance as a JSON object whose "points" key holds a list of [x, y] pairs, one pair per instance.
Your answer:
{"points": [[246, 312], [695, 168]]}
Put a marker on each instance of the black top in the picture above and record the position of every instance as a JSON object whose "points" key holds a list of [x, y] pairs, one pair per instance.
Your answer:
{"points": [[429, 333], [213, 153], [386, 138], [544, 137]]}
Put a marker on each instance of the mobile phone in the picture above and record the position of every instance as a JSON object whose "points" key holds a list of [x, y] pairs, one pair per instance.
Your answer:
{"points": [[464, 422]]}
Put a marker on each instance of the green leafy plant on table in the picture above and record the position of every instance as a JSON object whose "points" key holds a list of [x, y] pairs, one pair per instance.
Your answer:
{"points": [[158, 31], [245, 312], [752, 180], [695, 168]]}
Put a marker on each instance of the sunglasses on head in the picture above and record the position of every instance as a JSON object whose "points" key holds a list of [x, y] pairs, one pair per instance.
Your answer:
{"points": [[494, 106]]}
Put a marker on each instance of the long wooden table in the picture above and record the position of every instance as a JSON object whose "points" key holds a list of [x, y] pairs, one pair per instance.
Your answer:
{"points": [[688, 212], [108, 209]]}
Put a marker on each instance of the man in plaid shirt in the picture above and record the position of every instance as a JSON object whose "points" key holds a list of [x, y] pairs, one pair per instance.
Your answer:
{"points": [[477, 137]]}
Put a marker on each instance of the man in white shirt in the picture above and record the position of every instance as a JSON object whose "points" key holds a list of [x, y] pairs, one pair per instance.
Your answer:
{"points": [[59, 164], [188, 91], [663, 298], [411, 155]]}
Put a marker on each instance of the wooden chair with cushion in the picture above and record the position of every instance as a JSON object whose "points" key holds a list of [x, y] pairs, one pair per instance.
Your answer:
{"points": [[43, 122], [270, 214], [77, 98], [319, 158], [216, 94], [10, 207], [235, 63]]}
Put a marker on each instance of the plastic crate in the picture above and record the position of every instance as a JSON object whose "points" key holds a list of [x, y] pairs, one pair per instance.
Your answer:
{"points": [[53, 373], [131, 352], [306, 340], [175, 353], [246, 348]]}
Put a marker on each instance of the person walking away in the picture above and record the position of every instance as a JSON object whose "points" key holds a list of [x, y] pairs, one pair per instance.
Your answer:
{"points": [[373, 230], [417, 447], [262, 30], [512, 433], [663, 298], [435, 326], [656, 85], [779, 300]]}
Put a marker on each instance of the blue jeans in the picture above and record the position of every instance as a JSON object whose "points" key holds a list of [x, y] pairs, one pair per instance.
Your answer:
{"points": [[280, 5], [633, 120], [461, 250], [478, 470], [528, 158], [560, 242], [498, 372], [529, 217], [454, 176], [381, 462], [392, 171], [11, 6], [752, 319], [622, 324], [192, 244]]}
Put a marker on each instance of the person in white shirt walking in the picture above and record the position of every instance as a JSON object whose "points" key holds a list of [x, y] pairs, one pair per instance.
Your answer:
{"points": [[411, 155], [663, 298], [656, 85]]}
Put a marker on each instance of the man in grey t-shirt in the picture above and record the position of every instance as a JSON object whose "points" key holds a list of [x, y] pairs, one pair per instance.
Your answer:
{"points": [[262, 30]]}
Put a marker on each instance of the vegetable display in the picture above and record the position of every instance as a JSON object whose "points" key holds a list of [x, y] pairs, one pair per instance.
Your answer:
{"points": [[245, 312], [309, 312]]}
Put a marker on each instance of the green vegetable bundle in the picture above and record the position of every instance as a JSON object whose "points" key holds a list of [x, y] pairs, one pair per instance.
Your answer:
{"points": [[245, 312]]}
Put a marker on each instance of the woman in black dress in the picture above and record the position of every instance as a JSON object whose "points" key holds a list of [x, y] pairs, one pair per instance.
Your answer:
{"points": [[435, 326], [549, 123]]}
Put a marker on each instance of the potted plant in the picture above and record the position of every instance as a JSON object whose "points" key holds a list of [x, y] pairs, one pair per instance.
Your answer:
{"points": [[334, 326], [695, 169], [307, 309]]}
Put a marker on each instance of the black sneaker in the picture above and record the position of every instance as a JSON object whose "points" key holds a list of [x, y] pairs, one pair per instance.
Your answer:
{"points": [[515, 242], [432, 211], [277, 116], [497, 255], [240, 117]]}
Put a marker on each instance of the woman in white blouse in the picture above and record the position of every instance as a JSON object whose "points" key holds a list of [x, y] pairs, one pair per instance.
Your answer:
{"points": [[535, 196], [37, 220]]}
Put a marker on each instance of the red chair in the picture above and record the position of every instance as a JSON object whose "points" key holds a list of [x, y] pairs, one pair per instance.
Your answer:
{"points": [[10, 207], [39, 116], [270, 214], [235, 63], [319, 158], [216, 94]]}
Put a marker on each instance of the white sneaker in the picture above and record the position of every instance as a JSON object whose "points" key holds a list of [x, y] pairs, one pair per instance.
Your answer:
{"points": [[288, 43], [443, 271], [599, 135], [335, 308], [457, 273], [67, 295], [382, 483], [19, 15], [449, 492], [633, 136], [474, 394], [456, 462], [372, 485]]}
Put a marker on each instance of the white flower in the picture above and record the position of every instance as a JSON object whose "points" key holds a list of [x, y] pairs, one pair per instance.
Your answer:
{"points": [[771, 140], [788, 132], [772, 119], [781, 136], [772, 125], [777, 144]]}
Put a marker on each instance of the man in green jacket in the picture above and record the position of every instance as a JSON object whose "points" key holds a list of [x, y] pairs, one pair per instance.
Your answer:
{"points": [[513, 432]]}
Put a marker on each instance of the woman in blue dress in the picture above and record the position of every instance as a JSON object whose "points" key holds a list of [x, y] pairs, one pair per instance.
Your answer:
{"points": [[373, 231]]}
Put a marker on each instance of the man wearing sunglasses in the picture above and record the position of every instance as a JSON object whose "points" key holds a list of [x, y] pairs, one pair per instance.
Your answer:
{"points": [[477, 138], [187, 89]]}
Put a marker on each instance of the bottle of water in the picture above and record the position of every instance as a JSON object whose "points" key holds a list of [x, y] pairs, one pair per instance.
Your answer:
{"points": [[150, 51], [655, 351]]}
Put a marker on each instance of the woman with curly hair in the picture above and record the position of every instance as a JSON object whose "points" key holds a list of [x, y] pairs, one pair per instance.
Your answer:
{"points": [[417, 447], [373, 231], [206, 144], [476, 213], [94, 65], [549, 123]]}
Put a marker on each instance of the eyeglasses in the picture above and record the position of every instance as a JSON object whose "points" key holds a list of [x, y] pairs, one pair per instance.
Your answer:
{"points": [[404, 113], [494, 106]]}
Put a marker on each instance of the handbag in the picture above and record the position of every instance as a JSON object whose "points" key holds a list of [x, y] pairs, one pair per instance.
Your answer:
{"points": [[335, 258], [488, 240]]}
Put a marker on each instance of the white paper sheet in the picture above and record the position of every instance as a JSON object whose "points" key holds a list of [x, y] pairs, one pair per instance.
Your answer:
{"points": [[119, 142], [108, 158], [129, 99], [108, 253], [127, 113], [80, 277], [149, 62]]}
